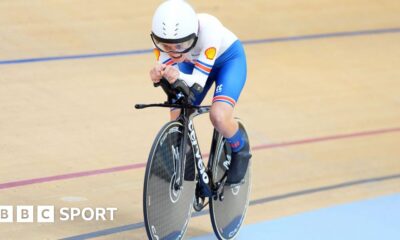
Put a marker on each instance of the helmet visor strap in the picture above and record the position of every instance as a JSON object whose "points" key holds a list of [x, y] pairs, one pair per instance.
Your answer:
{"points": [[174, 46]]}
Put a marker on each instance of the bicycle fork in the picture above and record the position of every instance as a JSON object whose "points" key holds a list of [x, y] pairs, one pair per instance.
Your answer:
{"points": [[180, 161]]}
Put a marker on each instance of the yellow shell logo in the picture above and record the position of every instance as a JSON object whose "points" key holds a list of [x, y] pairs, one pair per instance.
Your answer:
{"points": [[210, 53], [157, 53]]}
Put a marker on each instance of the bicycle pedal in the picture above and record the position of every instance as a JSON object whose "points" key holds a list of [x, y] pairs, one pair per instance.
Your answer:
{"points": [[198, 204], [197, 207]]}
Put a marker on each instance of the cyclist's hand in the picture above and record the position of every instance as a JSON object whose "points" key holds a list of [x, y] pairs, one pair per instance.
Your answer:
{"points": [[156, 73], [171, 74]]}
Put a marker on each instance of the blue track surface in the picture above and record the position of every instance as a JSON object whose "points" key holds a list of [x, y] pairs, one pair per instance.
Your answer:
{"points": [[373, 219]]}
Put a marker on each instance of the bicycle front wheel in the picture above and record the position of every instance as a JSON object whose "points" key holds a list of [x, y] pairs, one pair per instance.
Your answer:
{"points": [[167, 210], [227, 214]]}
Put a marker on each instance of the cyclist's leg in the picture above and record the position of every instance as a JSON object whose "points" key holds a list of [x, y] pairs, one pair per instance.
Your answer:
{"points": [[229, 84]]}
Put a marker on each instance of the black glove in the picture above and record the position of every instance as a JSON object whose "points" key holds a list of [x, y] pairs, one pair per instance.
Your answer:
{"points": [[179, 86], [182, 87]]}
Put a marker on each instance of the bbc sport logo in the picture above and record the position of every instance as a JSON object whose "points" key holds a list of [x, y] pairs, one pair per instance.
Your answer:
{"points": [[47, 214]]}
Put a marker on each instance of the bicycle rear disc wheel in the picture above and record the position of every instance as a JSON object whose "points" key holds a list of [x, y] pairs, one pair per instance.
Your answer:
{"points": [[166, 210], [227, 214]]}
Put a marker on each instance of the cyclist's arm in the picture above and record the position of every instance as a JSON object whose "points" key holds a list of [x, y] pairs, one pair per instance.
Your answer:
{"points": [[211, 41], [204, 63]]}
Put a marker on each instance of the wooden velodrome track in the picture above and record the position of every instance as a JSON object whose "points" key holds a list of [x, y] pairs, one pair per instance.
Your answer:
{"points": [[322, 105]]}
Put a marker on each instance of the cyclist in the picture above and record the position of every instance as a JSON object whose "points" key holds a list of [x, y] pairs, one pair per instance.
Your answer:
{"points": [[199, 50]]}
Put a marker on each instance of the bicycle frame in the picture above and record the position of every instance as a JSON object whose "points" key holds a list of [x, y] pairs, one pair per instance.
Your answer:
{"points": [[188, 112], [208, 183]]}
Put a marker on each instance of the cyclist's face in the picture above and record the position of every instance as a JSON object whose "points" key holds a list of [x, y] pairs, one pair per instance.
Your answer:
{"points": [[177, 57], [176, 47], [170, 47]]}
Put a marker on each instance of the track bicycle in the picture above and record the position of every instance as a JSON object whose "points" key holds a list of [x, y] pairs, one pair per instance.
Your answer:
{"points": [[177, 181]]}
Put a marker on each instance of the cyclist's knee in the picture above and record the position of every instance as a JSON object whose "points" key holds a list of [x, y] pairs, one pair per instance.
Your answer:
{"points": [[221, 114]]}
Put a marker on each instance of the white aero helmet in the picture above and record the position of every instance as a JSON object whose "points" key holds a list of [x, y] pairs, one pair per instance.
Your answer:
{"points": [[175, 23]]}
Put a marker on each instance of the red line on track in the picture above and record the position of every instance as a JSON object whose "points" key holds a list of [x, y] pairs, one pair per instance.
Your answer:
{"points": [[20, 183], [326, 138], [25, 182]]}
